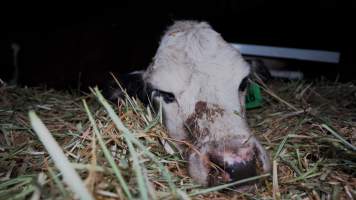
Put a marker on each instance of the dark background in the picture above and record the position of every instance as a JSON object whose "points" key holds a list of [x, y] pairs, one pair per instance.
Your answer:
{"points": [[63, 44]]}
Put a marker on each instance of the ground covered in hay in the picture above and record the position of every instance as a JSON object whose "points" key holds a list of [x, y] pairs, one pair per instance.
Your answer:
{"points": [[309, 128]]}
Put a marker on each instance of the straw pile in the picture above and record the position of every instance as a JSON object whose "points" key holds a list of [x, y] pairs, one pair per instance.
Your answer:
{"points": [[116, 149]]}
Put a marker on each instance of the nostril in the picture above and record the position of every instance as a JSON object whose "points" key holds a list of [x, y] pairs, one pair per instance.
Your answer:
{"points": [[241, 170], [232, 168]]}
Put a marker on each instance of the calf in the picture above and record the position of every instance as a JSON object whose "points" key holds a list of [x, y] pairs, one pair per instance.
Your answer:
{"points": [[201, 82]]}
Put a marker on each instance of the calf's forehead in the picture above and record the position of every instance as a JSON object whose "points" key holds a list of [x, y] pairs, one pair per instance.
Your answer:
{"points": [[205, 77], [193, 53]]}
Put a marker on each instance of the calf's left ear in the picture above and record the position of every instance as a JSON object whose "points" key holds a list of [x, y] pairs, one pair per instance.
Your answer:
{"points": [[131, 82]]}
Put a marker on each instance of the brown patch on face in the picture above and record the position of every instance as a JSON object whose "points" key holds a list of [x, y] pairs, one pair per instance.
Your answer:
{"points": [[259, 164], [202, 112]]}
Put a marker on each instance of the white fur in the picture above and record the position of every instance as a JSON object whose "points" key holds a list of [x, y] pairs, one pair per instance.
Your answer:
{"points": [[195, 64]]}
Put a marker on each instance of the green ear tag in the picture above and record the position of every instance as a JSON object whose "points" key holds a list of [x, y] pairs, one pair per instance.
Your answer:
{"points": [[253, 96]]}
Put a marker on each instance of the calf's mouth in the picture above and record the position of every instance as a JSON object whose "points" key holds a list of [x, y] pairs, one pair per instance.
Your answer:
{"points": [[225, 158]]}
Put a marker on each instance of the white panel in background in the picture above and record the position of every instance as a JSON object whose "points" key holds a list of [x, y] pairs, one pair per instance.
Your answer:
{"points": [[288, 53]]}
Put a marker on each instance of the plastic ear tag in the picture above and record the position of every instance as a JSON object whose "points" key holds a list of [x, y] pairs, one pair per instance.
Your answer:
{"points": [[253, 96]]}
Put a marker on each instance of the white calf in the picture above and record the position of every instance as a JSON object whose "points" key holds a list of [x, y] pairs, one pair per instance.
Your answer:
{"points": [[201, 81]]}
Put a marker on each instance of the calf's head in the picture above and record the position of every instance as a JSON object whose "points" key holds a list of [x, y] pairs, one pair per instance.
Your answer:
{"points": [[201, 81]]}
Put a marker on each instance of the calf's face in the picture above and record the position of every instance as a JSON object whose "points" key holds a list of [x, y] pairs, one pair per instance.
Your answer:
{"points": [[201, 82]]}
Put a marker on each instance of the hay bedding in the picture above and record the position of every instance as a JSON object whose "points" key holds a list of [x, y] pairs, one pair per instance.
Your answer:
{"points": [[309, 128]]}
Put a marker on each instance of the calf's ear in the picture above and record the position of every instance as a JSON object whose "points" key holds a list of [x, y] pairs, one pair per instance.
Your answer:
{"points": [[132, 82]]}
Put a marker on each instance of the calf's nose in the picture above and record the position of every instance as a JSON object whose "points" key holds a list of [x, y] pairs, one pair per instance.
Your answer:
{"points": [[232, 167], [240, 170]]}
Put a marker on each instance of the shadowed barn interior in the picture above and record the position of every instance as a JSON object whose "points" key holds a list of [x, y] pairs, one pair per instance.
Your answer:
{"points": [[222, 99], [62, 45]]}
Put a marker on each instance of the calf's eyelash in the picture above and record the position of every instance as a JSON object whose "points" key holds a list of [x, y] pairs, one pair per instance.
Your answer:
{"points": [[243, 85], [168, 97]]}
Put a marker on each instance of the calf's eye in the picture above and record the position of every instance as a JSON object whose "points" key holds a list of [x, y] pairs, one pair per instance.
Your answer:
{"points": [[243, 84], [168, 97]]}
